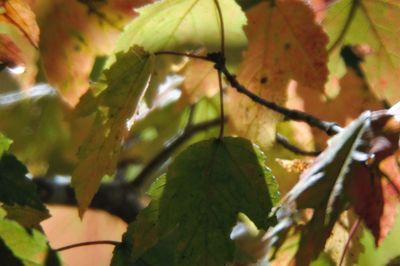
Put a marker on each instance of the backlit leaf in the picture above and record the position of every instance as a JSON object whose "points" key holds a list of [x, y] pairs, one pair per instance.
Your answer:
{"points": [[374, 24], [28, 246], [184, 24], [284, 44], [72, 36], [181, 25], [126, 82]]}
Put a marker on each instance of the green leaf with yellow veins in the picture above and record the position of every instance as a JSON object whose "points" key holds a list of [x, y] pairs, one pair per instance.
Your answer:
{"points": [[185, 24], [379, 40], [181, 25], [126, 81]]}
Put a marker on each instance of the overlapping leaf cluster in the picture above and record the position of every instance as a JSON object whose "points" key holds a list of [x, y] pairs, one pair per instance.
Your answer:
{"points": [[334, 61]]}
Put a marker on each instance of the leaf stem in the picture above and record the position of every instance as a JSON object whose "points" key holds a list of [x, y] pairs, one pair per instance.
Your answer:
{"points": [[282, 140], [352, 232], [89, 243], [221, 19]]}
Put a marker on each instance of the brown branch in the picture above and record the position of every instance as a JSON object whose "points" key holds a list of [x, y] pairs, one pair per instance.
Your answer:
{"points": [[331, 128], [143, 177], [89, 243], [282, 140]]}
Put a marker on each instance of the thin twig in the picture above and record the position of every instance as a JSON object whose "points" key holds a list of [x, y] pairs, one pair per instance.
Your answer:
{"points": [[285, 143], [143, 177], [221, 19], [346, 26], [352, 232], [182, 54], [331, 128], [89, 243]]}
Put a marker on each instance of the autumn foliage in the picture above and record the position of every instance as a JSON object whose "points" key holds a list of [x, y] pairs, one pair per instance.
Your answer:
{"points": [[242, 132]]}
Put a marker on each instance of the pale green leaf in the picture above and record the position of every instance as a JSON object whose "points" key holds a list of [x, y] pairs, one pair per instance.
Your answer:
{"points": [[28, 246], [185, 24]]}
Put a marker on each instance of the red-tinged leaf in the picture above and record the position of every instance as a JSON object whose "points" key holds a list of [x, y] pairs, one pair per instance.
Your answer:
{"points": [[375, 199], [284, 43], [10, 54], [321, 188], [19, 13]]}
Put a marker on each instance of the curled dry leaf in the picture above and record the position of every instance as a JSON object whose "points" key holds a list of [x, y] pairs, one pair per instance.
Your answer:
{"points": [[358, 169]]}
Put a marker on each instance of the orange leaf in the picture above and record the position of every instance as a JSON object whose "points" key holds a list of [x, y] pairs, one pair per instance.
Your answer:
{"points": [[284, 44], [72, 37], [201, 79], [19, 13]]}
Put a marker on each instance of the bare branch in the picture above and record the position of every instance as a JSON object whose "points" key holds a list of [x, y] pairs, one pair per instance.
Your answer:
{"points": [[331, 128], [280, 139], [89, 243]]}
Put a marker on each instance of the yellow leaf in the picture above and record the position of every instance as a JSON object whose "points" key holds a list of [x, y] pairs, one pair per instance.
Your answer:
{"points": [[126, 81]]}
